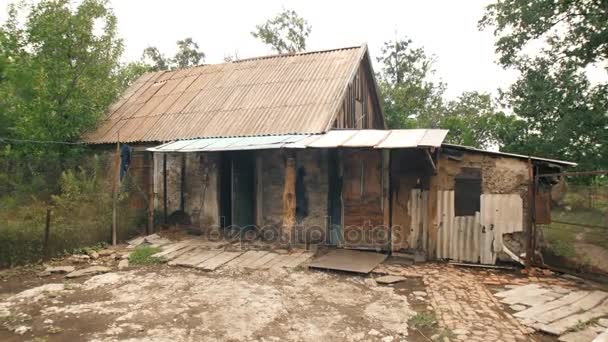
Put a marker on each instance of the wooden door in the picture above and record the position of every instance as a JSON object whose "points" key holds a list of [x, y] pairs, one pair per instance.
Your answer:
{"points": [[363, 197]]}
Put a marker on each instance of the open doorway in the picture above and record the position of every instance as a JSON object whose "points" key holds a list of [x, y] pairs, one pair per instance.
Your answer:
{"points": [[237, 190]]}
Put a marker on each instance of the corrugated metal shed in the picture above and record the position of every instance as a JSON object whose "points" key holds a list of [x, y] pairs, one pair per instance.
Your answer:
{"points": [[399, 138], [283, 94]]}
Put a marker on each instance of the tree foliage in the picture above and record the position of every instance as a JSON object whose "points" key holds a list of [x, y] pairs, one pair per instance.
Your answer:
{"points": [[187, 55], [285, 33], [560, 113], [564, 116], [58, 68], [410, 97], [574, 29]]}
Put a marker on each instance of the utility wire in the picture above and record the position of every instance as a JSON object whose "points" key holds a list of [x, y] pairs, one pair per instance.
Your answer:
{"points": [[41, 141]]}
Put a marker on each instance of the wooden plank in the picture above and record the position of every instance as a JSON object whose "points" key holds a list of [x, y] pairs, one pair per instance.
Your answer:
{"points": [[197, 258], [237, 261], [277, 258], [299, 259], [255, 255], [289, 198], [287, 258], [569, 322], [179, 252], [349, 260], [171, 248], [588, 334], [518, 291], [534, 297], [218, 260], [257, 264], [586, 303], [540, 309], [186, 255]]}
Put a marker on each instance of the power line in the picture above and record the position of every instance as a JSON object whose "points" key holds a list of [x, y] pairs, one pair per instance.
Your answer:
{"points": [[41, 141]]}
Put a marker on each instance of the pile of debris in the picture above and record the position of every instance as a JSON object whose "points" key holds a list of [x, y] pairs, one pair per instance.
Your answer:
{"points": [[93, 262], [573, 315]]}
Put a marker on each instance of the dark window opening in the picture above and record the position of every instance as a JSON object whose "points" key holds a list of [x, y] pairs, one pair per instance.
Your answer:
{"points": [[467, 190]]}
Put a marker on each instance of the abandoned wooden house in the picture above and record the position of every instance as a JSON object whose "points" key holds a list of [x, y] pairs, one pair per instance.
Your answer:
{"points": [[296, 146]]}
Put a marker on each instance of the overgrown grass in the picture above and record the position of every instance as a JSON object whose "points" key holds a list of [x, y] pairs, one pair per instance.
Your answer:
{"points": [[142, 255], [81, 215], [422, 320]]}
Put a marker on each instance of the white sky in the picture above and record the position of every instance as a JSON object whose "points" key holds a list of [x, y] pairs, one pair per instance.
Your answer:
{"points": [[447, 29], [465, 57]]}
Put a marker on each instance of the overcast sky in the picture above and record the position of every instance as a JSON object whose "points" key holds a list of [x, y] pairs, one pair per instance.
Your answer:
{"points": [[445, 28]]}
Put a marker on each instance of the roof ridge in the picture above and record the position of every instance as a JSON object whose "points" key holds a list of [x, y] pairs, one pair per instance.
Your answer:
{"points": [[162, 72]]}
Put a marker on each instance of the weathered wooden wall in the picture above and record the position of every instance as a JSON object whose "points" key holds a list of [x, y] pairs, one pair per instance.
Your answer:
{"points": [[200, 188], [409, 188], [360, 108], [363, 199]]}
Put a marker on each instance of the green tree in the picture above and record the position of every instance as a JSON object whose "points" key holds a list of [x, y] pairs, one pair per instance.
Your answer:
{"points": [[187, 54], [565, 116], [574, 29], [155, 59], [285, 33], [560, 113], [410, 97], [59, 73], [473, 120]]}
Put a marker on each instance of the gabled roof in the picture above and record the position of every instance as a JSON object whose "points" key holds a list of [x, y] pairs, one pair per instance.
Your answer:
{"points": [[283, 94]]}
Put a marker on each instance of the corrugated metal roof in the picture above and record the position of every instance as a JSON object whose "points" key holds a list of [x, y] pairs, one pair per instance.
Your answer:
{"points": [[372, 138], [283, 94], [506, 154]]}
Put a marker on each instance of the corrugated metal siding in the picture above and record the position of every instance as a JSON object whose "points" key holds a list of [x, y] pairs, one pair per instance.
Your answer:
{"points": [[276, 95], [417, 208], [500, 214], [477, 238]]}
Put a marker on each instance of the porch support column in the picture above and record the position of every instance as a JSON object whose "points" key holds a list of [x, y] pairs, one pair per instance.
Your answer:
{"points": [[289, 198]]}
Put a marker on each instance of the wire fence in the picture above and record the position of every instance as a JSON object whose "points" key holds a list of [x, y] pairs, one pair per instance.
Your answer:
{"points": [[575, 231], [56, 203]]}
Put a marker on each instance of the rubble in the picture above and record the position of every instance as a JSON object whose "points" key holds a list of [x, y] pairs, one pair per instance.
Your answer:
{"points": [[389, 279], [122, 264], [88, 271], [56, 269]]}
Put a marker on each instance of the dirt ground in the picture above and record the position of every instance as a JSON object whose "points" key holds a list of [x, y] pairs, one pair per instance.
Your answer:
{"points": [[161, 303]]}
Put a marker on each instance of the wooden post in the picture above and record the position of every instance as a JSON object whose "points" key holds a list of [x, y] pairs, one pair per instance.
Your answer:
{"points": [[115, 191], [530, 236], [47, 231], [150, 226], [289, 198]]}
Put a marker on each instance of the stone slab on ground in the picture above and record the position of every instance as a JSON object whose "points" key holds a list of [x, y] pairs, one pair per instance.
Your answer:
{"points": [[59, 269], [389, 279], [589, 301], [540, 309], [88, 271], [122, 264], [603, 337], [572, 321]]}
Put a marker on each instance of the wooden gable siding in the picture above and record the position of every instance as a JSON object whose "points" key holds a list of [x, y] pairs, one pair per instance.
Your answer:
{"points": [[360, 108]]}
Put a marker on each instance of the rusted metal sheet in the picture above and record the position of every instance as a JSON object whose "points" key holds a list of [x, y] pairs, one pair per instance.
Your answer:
{"points": [[445, 222], [281, 94]]}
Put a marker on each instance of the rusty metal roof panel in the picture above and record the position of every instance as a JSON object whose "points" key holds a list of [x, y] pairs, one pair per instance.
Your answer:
{"points": [[261, 96], [507, 154]]}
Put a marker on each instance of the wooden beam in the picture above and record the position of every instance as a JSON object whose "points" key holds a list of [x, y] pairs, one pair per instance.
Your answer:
{"points": [[151, 179], [289, 197]]}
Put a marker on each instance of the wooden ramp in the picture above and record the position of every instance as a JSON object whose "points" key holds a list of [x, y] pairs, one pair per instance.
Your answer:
{"points": [[348, 260], [555, 310], [209, 256]]}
